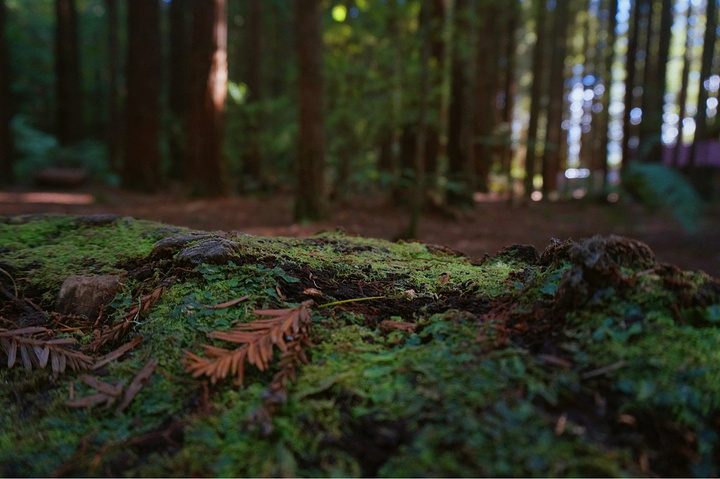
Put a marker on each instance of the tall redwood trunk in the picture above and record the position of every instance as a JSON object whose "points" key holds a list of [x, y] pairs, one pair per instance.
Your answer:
{"points": [[141, 168], [206, 169], [607, 83], [6, 142], [67, 70], [682, 94], [630, 67], [460, 171], [536, 92], [437, 58], [310, 196], [487, 56], [115, 124], [554, 136], [252, 162], [710, 38], [178, 87]]}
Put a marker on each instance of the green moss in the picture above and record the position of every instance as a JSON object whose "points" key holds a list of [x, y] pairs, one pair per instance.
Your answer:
{"points": [[535, 388]]}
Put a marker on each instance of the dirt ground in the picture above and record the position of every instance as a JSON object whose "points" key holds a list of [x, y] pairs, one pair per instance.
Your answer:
{"points": [[491, 226]]}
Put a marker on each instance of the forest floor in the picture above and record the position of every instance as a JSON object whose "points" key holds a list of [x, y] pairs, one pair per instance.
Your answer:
{"points": [[491, 226]]}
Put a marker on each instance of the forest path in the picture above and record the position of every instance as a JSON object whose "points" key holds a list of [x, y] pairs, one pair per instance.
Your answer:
{"points": [[487, 229]]}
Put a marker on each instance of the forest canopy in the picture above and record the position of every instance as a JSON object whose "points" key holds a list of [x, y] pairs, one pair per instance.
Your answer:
{"points": [[428, 101]]}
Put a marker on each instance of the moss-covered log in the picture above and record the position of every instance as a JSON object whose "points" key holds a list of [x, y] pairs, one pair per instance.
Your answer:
{"points": [[411, 360]]}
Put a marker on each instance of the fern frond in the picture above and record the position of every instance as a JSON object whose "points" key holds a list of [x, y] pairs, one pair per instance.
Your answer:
{"points": [[658, 185]]}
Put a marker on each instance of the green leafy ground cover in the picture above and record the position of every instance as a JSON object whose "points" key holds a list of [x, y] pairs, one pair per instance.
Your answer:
{"points": [[588, 359]]}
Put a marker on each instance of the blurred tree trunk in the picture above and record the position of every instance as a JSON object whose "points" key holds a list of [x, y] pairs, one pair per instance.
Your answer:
{"points": [[310, 201], [178, 87], [115, 124], [554, 136], [536, 92], [6, 140], [460, 169], [141, 168], [252, 160], [436, 72], [604, 121], [416, 200], [710, 38], [67, 70], [653, 99], [487, 57], [630, 69], [509, 90], [205, 173], [682, 94]]}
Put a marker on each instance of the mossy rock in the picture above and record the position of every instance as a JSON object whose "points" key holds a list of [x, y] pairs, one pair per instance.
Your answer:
{"points": [[589, 359]]}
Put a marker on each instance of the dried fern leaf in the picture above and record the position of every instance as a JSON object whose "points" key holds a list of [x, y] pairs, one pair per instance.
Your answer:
{"points": [[136, 385]]}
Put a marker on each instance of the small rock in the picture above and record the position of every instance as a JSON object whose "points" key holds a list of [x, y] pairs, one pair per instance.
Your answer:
{"points": [[167, 247], [214, 251], [86, 295]]}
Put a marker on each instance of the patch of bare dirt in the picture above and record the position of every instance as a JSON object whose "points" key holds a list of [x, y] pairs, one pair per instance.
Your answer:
{"points": [[490, 227]]}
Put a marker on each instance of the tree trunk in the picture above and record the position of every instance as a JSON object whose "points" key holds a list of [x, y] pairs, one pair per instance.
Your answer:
{"points": [[205, 172], [682, 94], [416, 200], [460, 171], [487, 56], [6, 140], [630, 67], [554, 137], [604, 124], [67, 70], [141, 169], [437, 59], [701, 127], [509, 90], [178, 87], [115, 124], [536, 91], [252, 160], [310, 202]]}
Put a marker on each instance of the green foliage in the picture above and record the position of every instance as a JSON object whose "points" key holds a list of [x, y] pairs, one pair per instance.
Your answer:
{"points": [[37, 150], [657, 185]]}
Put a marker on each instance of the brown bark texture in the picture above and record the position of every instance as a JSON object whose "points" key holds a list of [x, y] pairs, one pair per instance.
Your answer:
{"points": [[206, 168], [141, 168], [67, 70], [252, 161], [310, 196], [459, 164], [178, 86], [554, 136], [6, 141], [114, 125], [536, 91]]}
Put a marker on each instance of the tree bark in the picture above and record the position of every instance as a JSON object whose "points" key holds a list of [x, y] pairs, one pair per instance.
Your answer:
{"points": [[630, 69], [252, 160], [178, 87], [6, 140], [460, 171], [605, 117], [487, 56], [710, 38], [310, 202], [115, 124], [536, 90], [554, 136], [67, 70], [141, 168], [509, 90], [206, 170], [682, 94], [437, 59]]}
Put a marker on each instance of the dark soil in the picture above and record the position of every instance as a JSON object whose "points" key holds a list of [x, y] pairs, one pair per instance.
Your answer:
{"points": [[491, 226]]}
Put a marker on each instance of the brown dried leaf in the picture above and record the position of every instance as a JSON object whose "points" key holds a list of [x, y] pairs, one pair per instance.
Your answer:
{"points": [[117, 353], [389, 325], [226, 304], [136, 385]]}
